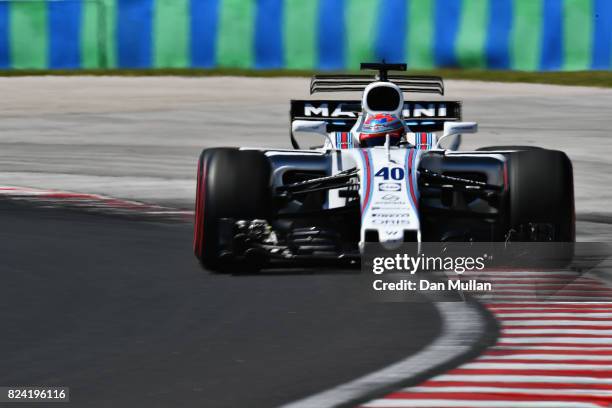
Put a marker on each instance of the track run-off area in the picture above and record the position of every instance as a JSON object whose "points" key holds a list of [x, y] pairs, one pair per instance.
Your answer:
{"points": [[113, 304]]}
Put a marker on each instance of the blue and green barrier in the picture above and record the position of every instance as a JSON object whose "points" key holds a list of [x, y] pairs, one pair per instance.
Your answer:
{"points": [[528, 35]]}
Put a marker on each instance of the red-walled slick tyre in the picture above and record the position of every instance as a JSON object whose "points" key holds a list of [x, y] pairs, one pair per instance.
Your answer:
{"points": [[231, 183]]}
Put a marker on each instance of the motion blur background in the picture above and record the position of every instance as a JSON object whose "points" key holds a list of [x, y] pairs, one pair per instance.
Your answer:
{"points": [[529, 35], [118, 309]]}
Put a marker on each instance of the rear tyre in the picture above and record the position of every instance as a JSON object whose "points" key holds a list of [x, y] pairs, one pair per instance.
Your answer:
{"points": [[517, 147], [234, 184], [540, 209], [541, 195]]}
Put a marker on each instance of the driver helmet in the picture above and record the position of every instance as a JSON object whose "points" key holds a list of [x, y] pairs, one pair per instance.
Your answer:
{"points": [[377, 126]]}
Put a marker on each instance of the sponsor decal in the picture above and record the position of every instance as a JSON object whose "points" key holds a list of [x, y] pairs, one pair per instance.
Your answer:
{"points": [[395, 173], [390, 197], [412, 110], [427, 110], [383, 222], [390, 219], [323, 110], [390, 201], [389, 187]]}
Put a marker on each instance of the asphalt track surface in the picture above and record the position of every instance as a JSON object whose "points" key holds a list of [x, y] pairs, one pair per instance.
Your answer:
{"points": [[118, 309]]}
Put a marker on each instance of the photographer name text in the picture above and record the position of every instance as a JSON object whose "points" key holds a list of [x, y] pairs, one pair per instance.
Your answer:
{"points": [[471, 285]]}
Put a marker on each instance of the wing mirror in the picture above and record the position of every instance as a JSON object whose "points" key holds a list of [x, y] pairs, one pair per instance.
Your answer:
{"points": [[456, 128], [310, 126]]}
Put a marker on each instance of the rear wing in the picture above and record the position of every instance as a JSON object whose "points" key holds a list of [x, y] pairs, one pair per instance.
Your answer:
{"points": [[358, 82], [341, 115]]}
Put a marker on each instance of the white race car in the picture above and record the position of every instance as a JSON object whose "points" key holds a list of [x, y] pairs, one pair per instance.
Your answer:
{"points": [[260, 207]]}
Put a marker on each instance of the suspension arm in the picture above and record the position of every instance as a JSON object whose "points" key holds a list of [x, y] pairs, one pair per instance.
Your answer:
{"points": [[458, 183]]}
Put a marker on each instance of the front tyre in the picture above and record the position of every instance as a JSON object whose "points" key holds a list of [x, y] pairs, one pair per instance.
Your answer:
{"points": [[233, 184]]}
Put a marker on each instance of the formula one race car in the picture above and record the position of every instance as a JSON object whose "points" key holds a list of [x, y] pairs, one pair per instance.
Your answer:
{"points": [[380, 175]]}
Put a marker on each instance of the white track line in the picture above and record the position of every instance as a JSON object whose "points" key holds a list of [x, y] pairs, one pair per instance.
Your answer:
{"points": [[535, 298], [549, 348], [557, 331], [554, 315], [536, 357], [535, 366], [603, 323], [553, 339], [512, 378], [490, 403], [462, 325], [510, 390]]}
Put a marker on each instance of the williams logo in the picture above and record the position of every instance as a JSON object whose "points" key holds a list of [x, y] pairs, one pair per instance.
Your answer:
{"points": [[391, 197]]}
